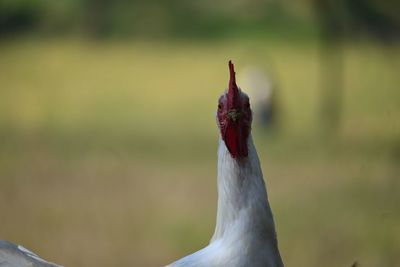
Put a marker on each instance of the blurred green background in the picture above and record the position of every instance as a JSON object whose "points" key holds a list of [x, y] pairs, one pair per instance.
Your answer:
{"points": [[108, 137]]}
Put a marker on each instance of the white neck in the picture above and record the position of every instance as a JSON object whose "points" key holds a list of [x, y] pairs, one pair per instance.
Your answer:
{"points": [[243, 208], [245, 232]]}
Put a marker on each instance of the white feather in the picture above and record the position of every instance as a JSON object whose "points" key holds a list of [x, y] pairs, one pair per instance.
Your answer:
{"points": [[12, 255]]}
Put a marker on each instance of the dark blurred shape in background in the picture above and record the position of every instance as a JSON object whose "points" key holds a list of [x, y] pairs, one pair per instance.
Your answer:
{"points": [[341, 20], [108, 135]]}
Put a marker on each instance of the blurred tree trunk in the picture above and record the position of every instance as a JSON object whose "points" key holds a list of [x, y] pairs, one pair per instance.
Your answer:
{"points": [[97, 13], [331, 64]]}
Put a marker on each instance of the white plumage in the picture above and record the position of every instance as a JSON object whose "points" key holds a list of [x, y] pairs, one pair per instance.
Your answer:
{"points": [[12, 255]]}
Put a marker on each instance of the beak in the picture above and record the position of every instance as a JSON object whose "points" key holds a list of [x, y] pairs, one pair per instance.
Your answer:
{"points": [[234, 115], [235, 135]]}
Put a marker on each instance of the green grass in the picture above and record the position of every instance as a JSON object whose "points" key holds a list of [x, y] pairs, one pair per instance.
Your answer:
{"points": [[108, 151]]}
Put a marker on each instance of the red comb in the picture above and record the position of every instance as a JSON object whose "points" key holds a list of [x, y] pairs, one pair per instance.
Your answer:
{"points": [[233, 90]]}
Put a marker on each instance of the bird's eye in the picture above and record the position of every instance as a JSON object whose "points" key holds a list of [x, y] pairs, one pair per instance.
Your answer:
{"points": [[247, 105], [219, 106]]}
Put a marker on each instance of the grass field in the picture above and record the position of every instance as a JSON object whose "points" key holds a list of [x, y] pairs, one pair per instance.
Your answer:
{"points": [[108, 151]]}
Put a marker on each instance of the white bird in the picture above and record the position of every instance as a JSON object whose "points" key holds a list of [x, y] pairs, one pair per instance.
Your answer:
{"points": [[261, 88], [12, 255], [245, 232]]}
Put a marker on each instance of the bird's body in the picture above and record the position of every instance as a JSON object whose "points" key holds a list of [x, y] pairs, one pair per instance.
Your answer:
{"points": [[245, 232], [12, 255]]}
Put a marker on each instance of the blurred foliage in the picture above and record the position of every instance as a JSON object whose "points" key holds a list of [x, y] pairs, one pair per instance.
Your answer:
{"points": [[179, 18], [17, 16]]}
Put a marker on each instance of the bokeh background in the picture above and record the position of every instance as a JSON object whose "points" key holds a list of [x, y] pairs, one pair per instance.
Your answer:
{"points": [[108, 138]]}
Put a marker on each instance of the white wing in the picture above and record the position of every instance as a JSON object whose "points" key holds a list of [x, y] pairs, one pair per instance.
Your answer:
{"points": [[12, 255]]}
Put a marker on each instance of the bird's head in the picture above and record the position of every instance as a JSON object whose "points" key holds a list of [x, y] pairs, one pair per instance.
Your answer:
{"points": [[234, 118]]}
